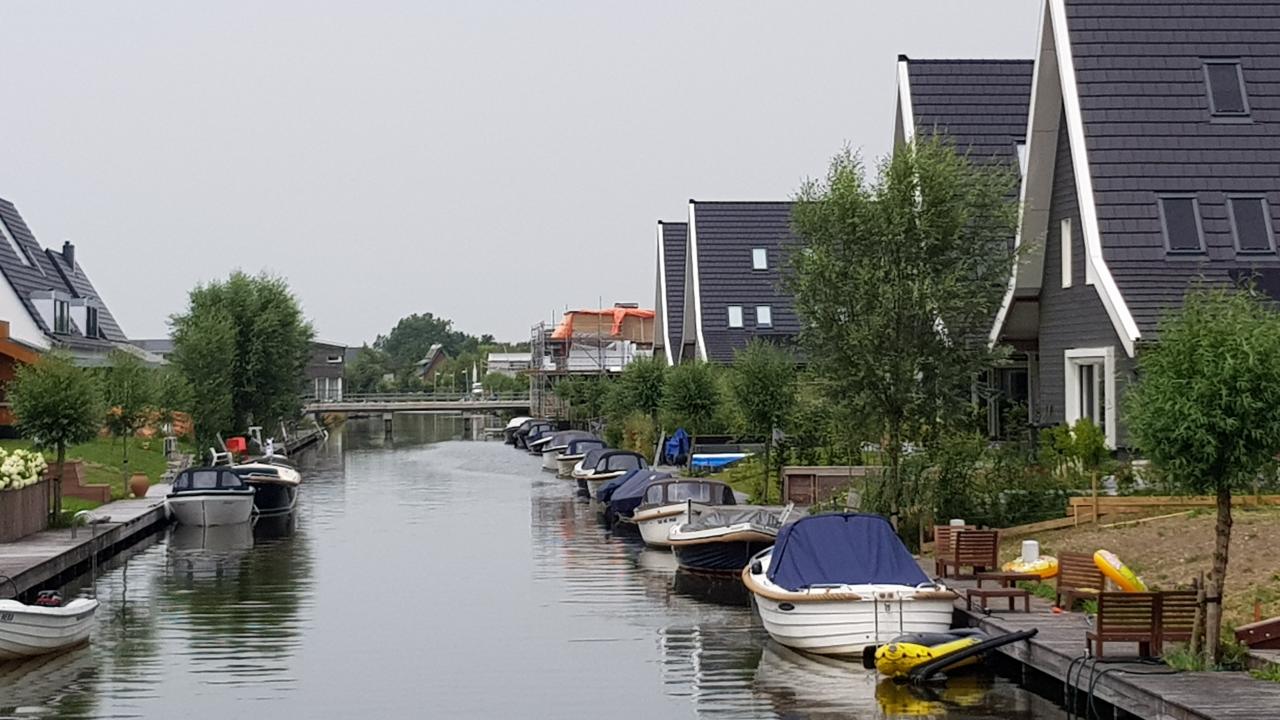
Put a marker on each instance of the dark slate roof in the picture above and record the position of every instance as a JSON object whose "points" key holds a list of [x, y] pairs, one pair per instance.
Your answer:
{"points": [[980, 104], [675, 244], [725, 233], [1148, 131]]}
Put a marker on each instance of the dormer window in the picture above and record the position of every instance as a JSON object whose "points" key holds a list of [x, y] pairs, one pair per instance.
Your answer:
{"points": [[1227, 97], [13, 245], [759, 259], [91, 322], [61, 317], [1251, 223], [1180, 218]]}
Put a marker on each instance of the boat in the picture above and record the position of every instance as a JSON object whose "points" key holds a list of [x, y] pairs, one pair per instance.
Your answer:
{"points": [[559, 443], [714, 462], [726, 538], [620, 501], [534, 441], [836, 583], [608, 465], [210, 496], [275, 484], [49, 626], [673, 501], [509, 432], [528, 426], [575, 451]]}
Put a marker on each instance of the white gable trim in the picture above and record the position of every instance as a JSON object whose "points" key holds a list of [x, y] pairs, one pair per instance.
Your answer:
{"points": [[1055, 47], [906, 115], [697, 286], [662, 294]]}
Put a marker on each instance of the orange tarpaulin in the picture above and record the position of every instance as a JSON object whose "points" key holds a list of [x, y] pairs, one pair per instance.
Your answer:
{"points": [[616, 317]]}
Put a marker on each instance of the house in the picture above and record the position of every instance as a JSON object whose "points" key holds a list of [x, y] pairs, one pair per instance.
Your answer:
{"points": [[1152, 161], [429, 366], [508, 363], [325, 369], [161, 347], [980, 106], [12, 354], [673, 245], [734, 289], [49, 300]]}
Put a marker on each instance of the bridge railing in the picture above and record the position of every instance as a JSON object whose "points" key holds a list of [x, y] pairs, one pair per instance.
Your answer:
{"points": [[418, 397]]}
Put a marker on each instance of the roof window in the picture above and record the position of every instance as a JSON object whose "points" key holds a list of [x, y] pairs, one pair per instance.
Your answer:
{"points": [[735, 316], [1251, 223], [1180, 217], [759, 259], [1226, 88], [764, 316]]}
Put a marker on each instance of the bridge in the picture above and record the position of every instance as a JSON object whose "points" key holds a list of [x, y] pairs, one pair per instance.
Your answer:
{"points": [[417, 402]]}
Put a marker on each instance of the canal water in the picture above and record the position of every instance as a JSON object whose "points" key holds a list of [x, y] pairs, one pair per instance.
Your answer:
{"points": [[425, 576]]}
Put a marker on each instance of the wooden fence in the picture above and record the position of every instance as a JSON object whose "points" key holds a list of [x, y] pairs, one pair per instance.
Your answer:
{"points": [[807, 485], [24, 511]]}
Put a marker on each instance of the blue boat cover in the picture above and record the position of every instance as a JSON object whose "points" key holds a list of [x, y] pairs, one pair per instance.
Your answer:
{"points": [[626, 498], [606, 490], [676, 449], [841, 548]]}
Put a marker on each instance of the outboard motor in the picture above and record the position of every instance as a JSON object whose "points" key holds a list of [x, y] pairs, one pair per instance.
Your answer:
{"points": [[48, 598]]}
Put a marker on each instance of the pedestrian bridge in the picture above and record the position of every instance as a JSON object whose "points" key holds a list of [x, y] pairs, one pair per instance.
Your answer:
{"points": [[416, 402]]}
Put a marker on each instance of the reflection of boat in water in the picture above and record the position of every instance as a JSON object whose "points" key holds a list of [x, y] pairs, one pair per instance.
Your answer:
{"points": [[656, 561], [712, 588], [35, 684], [208, 552], [811, 684], [275, 527]]}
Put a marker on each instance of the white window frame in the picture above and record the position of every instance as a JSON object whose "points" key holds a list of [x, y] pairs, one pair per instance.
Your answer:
{"points": [[1064, 245], [735, 310], [768, 311], [759, 258], [1076, 358]]}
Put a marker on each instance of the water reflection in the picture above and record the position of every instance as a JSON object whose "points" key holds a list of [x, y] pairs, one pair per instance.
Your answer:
{"points": [[712, 588]]}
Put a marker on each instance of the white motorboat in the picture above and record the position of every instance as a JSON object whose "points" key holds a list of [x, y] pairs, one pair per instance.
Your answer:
{"points": [[573, 453], [835, 584], [609, 464], [675, 501], [509, 432], [559, 443], [725, 539], [275, 484], [210, 496], [31, 630]]}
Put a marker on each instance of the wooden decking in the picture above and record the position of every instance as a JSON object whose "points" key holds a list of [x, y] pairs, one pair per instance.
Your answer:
{"points": [[36, 559], [1146, 690]]}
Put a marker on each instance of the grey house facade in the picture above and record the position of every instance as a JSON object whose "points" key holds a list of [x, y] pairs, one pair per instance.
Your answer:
{"points": [[673, 251], [49, 300], [1153, 161], [980, 106], [734, 281], [326, 367]]}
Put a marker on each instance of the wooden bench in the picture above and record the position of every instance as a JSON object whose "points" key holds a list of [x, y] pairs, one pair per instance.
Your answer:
{"points": [[942, 545], [1078, 578], [1261, 635], [1126, 617], [977, 549]]}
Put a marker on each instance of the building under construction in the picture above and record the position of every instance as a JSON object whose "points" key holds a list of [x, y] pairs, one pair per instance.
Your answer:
{"points": [[585, 343]]}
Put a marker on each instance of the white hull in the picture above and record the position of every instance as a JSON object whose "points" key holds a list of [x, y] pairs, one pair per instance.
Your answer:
{"points": [[211, 509], [28, 631], [549, 460], [566, 465], [595, 481], [845, 619], [655, 523]]}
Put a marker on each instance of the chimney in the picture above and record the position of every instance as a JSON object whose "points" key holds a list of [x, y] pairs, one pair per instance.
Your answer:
{"points": [[69, 254]]}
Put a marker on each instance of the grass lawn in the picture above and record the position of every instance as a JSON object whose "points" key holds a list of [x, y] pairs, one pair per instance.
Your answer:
{"points": [[104, 464]]}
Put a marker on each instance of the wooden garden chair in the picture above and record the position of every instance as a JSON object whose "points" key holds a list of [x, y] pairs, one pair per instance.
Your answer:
{"points": [[1177, 617], [977, 549], [1126, 617], [942, 545], [1078, 578]]}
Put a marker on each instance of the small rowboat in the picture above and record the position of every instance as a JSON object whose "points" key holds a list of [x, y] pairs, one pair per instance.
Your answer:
{"points": [[31, 630]]}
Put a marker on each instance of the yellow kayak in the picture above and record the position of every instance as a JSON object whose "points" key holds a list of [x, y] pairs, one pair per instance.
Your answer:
{"points": [[897, 658]]}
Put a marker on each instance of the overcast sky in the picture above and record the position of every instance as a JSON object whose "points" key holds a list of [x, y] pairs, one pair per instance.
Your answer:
{"points": [[491, 162]]}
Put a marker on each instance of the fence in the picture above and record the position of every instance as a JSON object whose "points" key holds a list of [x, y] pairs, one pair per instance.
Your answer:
{"points": [[24, 511]]}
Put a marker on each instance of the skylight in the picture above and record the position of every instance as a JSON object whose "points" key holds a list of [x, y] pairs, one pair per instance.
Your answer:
{"points": [[735, 316], [1251, 224], [1226, 88], [1181, 219], [759, 259]]}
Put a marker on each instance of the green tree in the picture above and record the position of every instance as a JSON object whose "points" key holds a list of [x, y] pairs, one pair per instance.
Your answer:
{"points": [[692, 398], [242, 346], [411, 338], [638, 389], [1206, 408], [130, 391], [56, 404], [897, 281], [762, 381], [365, 371]]}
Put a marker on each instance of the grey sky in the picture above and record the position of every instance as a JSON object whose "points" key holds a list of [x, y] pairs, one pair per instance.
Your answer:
{"points": [[491, 162]]}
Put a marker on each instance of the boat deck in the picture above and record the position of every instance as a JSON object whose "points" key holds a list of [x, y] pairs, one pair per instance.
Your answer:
{"points": [[1145, 689], [36, 559]]}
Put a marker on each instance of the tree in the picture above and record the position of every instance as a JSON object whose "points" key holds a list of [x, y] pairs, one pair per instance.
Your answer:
{"points": [[411, 338], [129, 389], [1206, 409], [897, 281], [638, 389], [691, 397], [242, 346], [365, 372], [57, 404], [762, 381]]}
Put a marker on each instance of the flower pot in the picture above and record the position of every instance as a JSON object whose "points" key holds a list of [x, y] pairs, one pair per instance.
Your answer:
{"points": [[138, 484]]}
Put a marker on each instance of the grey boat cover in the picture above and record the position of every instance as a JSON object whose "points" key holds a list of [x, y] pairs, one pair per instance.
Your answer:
{"points": [[725, 516], [562, 439]]}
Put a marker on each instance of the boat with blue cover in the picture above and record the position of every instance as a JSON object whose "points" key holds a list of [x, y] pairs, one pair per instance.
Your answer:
{"points": [[574, 452]]}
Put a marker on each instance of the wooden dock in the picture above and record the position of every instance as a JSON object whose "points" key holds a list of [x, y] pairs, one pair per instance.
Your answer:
{"points": [[35, 560], [1145, 690]]}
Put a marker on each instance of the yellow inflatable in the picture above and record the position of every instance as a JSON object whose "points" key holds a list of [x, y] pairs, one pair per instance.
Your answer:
{"points": [[1117, 572], [897, 658], [1046, 566]]}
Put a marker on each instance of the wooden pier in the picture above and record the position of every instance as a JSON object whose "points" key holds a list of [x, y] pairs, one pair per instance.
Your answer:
{"points": [[36, 560], [1142, 689]]}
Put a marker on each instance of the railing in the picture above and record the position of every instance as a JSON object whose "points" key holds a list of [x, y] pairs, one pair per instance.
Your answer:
{"points": [[419, 397]]}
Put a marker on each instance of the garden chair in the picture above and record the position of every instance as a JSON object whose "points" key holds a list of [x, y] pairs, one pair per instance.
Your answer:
{"points": [[1078, 578], [942, 545], [1177, 617], [977, 549], [1126, 617]]}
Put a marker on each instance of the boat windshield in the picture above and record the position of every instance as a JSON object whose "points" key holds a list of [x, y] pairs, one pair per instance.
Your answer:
{"points": [[625, 461], [207, 479], [698, 491]]}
